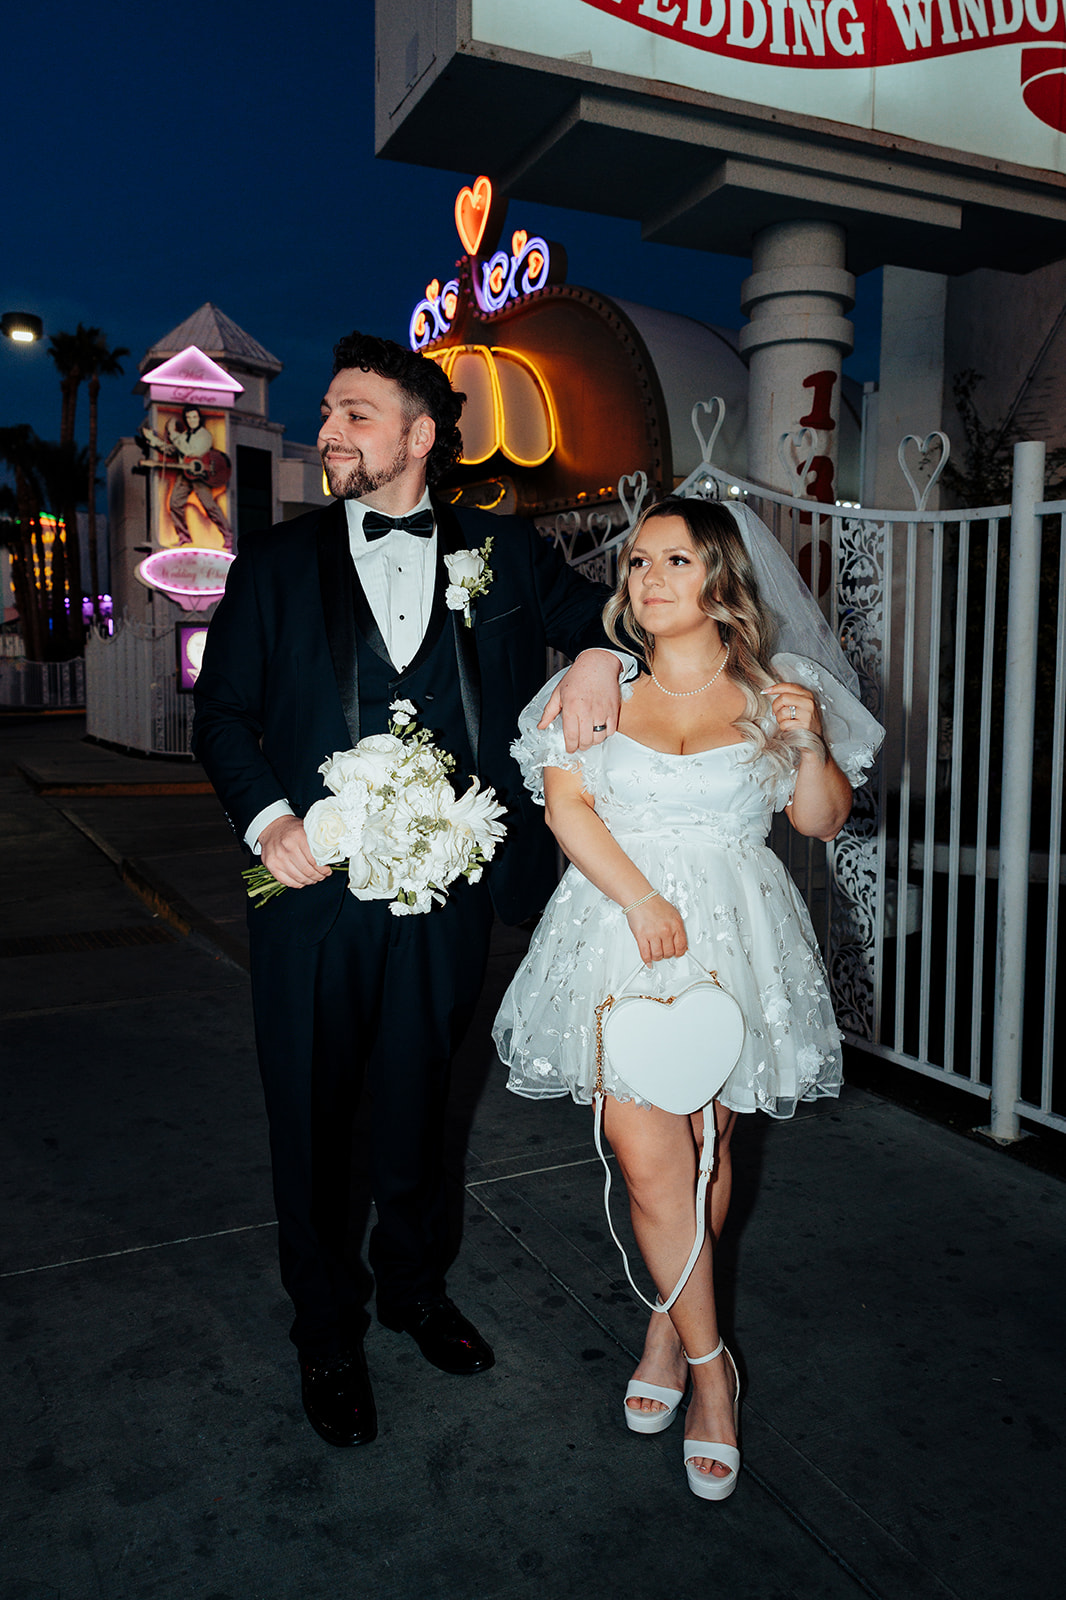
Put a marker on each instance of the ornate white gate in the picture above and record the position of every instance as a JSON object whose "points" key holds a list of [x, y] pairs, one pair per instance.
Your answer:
{"points": [[939, 903]]}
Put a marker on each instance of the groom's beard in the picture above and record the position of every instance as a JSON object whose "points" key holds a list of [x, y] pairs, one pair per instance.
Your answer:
{"points": [[351, 479]]}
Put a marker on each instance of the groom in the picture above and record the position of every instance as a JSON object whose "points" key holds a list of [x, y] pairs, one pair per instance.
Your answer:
{"points": [[325, 620]]}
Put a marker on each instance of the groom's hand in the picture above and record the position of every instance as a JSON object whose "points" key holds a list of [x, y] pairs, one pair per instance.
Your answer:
{"points": [[589, 699], [285, 851]]}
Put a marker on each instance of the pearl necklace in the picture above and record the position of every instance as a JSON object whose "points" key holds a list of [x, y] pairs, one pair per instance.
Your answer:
{"points": [[686, 694]]}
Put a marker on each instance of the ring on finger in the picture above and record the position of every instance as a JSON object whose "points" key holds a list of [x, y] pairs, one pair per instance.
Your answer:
{"points": [[599, 727], [792, 713]]}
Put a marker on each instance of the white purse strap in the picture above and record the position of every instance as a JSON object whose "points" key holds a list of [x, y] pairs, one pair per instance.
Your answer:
{"points": [[705, 1168], [710, 1134]]}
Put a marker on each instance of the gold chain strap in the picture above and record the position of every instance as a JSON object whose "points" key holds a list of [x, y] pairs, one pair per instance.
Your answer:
{"points": [[605, 1006]]}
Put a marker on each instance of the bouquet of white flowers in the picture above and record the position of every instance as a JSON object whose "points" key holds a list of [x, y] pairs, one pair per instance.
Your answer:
{"points": [[393, 821]]}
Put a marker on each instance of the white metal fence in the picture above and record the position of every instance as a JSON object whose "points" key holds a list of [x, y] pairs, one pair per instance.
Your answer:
{"points": [[133, 698], [43, 685], [939, 904]]}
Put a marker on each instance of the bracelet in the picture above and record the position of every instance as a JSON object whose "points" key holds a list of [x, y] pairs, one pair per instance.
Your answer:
{"points": [[641, 902]]}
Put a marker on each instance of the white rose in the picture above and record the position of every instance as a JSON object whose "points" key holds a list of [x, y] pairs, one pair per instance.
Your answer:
{"points": [[404, 705], [359, 872], [334, 767], [464, 566], [375, 880], [372, 762], [327, 832], [455, 598]]}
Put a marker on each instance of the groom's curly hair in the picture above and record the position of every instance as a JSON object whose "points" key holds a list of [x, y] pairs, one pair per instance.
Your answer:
{"points": [[425, 389]]}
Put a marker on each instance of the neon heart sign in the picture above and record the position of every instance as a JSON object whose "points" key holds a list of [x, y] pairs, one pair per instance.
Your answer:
{"points": [[505, 276], [472, 208]]}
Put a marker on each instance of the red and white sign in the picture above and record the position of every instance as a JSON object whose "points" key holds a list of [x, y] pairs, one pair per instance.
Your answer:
{"points": [[983, 76]]}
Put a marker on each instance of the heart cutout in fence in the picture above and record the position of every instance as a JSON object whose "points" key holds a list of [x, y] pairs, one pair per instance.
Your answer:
{"points": [[923, 447], [715, 410], [638, 483], [794, 450]]}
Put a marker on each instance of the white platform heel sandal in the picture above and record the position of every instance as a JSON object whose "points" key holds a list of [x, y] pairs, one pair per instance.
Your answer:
{"points": [[706, 1484], [651, 1421]]}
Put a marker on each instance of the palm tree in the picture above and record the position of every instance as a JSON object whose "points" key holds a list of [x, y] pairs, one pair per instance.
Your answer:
{"points": [[73, 354], [105, 364]]}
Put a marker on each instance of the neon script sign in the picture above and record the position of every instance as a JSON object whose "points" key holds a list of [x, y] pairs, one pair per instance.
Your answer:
{"points": [[863, 34], [506, 274]]}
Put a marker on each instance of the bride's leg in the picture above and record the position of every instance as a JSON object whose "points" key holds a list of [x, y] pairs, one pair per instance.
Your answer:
{"points": [[720, 1190], [658, 1156]]}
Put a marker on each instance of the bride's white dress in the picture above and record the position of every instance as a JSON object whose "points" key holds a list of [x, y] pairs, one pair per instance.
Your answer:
{"points": [[696, 825]]}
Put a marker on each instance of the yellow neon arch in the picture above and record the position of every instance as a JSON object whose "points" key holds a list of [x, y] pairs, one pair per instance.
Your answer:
{"points": [[484, 440]]}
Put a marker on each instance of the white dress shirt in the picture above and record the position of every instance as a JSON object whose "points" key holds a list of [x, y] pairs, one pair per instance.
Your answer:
{"points": [[397, 572]]}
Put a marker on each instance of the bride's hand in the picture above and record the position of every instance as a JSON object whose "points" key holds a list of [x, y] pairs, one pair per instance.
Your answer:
{"points": [[658, 929]]}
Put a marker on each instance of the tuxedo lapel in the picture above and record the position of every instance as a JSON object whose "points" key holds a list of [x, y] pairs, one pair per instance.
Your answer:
{"points": [[450, 539], [335, 577]]}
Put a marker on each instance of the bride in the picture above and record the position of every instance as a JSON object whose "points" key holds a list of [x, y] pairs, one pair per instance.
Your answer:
{"points": [[665, 823]]}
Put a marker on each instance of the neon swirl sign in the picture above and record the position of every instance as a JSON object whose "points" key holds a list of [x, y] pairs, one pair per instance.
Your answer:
{"points": [[509, 276], [432, 317]]}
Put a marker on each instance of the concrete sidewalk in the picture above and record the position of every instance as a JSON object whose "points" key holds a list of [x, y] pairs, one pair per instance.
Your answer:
{"points": [[893, 1291]]}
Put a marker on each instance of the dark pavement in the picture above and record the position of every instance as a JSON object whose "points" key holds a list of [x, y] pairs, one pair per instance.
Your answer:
{"points": [[893, 1292]]}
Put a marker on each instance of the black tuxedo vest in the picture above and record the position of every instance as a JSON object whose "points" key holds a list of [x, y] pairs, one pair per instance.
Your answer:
{"points": [[431, 683]]}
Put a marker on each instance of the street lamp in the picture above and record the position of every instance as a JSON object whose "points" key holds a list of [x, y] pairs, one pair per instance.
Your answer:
{"points": [[21, 326]]}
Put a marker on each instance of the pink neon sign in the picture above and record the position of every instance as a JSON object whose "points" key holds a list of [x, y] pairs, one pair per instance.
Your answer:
{"points": [[192, 577]]}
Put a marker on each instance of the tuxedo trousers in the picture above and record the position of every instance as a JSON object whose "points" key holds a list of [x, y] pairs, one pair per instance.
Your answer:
{"points": [[365, 1022]]}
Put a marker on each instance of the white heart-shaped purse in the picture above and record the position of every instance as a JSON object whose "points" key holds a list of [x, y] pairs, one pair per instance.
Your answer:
{"points": [[674, 1051]]}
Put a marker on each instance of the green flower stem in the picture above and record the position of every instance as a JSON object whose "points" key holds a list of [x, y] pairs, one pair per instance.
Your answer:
{"points": [[263, 886]]}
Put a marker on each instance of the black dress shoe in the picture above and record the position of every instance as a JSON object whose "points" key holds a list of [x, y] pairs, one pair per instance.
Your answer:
{"points": [[443, 1335], [338, 1398]]}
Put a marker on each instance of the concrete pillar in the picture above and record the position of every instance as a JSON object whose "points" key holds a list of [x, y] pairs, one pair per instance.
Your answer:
{"points": [[794, 345], [911, 379]]}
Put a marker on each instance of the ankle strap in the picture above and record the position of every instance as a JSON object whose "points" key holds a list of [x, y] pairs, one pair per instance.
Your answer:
{"points": [[698, 1361]]}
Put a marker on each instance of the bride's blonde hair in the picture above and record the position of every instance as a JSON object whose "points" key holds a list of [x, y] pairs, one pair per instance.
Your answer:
{"points": [[730, 596]]}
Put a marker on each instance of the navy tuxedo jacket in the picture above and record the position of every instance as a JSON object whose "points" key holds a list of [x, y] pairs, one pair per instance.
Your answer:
{"points": [[278, 691]]}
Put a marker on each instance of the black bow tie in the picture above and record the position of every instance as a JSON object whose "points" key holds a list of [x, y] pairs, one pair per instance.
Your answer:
{"points": [[376, 524]]}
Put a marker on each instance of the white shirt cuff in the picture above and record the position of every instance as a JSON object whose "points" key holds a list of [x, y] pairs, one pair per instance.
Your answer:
{"points": [[280, 808]]}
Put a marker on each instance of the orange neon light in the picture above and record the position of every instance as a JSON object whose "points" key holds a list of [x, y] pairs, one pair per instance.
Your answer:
{"points": [[498, 435], [472, 214]]}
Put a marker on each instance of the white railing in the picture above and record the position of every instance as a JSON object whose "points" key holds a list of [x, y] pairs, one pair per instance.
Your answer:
{"points": [[133, 698], [44, 685], [939, 904]]}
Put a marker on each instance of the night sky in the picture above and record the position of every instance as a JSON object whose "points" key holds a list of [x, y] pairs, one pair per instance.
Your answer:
{"points": [[159, 156]]}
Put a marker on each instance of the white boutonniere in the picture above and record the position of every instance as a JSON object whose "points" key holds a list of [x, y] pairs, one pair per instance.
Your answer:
{"points": [[469, 577]]}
